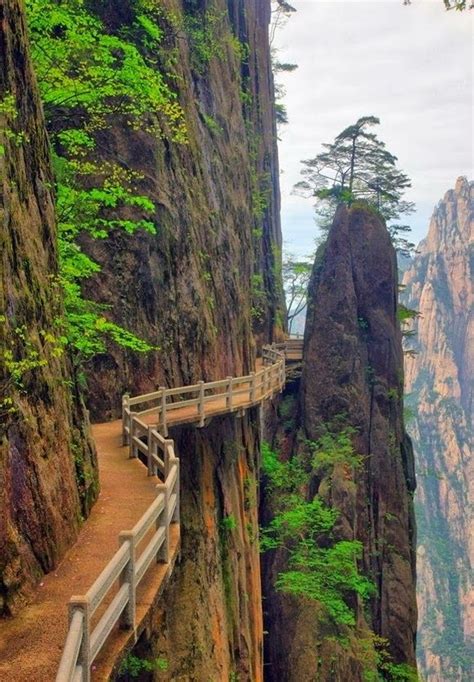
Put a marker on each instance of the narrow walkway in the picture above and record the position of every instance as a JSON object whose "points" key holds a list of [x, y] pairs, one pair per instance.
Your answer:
{"points": [[32, 642]]}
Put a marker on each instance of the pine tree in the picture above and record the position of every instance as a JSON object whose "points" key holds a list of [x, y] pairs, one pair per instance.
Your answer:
{"points": [[357, 167]]}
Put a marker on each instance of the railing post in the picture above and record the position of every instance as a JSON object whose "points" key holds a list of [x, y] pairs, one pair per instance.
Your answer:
{"points": [[253, 394], [133, 447], [163, 555], [228, 397], [84, 658], [169, 443], [176, 514], [201, 404], [128, 577], [125, 419], [150, 459], [164, 427]]}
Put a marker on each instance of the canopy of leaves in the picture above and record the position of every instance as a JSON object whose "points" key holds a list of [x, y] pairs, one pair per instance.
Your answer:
{"points": [[319, 566], [92, 76], [357, 167]]}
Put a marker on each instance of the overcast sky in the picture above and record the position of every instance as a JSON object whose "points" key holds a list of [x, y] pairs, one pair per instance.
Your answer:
{"points": [[410, 66]]}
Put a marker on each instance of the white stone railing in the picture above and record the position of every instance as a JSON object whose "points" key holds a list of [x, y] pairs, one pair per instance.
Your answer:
{"points": [[128, 566], [130, 563], [195, 403]]}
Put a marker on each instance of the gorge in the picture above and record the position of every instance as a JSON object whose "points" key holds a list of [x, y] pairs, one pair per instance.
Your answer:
{"points": [[147, 377]]}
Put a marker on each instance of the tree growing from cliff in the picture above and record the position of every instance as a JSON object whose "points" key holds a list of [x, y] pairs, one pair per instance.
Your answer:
{"points": [[357, 167], [296, 273], [319, 566], [281, 11]]}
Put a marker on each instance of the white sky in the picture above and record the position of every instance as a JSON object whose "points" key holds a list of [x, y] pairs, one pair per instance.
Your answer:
{"points": [[410, 66]]}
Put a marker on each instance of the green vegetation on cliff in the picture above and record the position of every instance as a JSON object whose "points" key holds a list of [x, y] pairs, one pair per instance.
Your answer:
{"points": [[320, 566], [90, 75]]}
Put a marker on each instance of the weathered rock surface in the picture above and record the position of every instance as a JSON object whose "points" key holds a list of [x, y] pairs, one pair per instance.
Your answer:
{"points": [[440, 384], [210, 275], [353, 367], [209, 624], [206, 290], [47, 464]]}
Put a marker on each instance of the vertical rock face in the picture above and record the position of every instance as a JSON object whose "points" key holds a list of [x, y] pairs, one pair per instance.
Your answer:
{"points": [[353, 365], [209, 623], [209, 277], [205, 289], [47, 464], [353, 371], [440, 384]]}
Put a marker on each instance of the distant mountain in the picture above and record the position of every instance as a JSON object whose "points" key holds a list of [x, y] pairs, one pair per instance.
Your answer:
{"points": [[440, 384]]}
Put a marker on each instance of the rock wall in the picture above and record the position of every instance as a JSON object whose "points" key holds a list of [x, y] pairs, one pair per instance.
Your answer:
{"points": [[210, 276], [209, 623], [352, 370], [206, 288], [440, 384], [48, 476]]}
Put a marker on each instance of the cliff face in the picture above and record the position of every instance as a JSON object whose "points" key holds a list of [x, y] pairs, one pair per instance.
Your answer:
{"points": [[209, 276], [208, 626], [353, 373], [439, 381], [206, 290], [47, 464]]}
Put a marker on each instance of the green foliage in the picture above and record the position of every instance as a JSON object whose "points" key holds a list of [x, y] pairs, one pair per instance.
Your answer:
{"points": [[319, 566], [206, 37], [86, 74], [229, 523], [89, 77], [333, 448], [357, 169], [283, 477], [327, 575], [22, 356], [260, 193], [133, 666], [372, 652], [212, 124]]}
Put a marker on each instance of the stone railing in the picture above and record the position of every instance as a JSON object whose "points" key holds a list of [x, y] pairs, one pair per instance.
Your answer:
{"points": [[127, 566], [93, 616], [187, 404]]}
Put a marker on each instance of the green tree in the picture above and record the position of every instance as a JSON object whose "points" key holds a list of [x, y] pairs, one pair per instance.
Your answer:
{"points": [[319, 566], [296, 273], [93, 76], [357, 167]]}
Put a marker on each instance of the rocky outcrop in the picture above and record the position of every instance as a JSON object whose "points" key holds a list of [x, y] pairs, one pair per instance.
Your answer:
{"points": [[209, 624], [353, 374], [48, 475], [439, 381], [210, 275]]}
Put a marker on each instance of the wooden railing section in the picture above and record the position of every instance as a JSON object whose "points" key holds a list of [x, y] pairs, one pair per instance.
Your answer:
{"points": [[112, 598]]}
